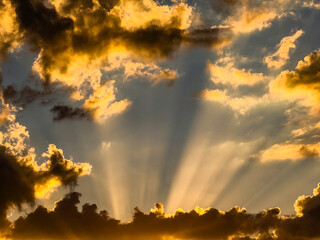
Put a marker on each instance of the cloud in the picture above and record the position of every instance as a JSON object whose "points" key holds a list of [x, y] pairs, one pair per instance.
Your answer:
{"points": [[131, 67], [280, 57], [10, 36], [228, 74], [234, 86], [311, 4], [75, 40], [248, 16], [300, 85], [292, 151], [66, 221], [22, 179], [21, 176], [65, 32], [300, 88], [303, 225], [99, 106], [62, 112]]}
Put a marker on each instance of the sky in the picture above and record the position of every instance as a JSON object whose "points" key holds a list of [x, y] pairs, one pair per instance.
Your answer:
{"points": [[159, 119]]}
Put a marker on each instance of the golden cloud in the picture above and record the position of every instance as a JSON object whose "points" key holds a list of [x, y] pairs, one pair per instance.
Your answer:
{"points": [[280, 57]]}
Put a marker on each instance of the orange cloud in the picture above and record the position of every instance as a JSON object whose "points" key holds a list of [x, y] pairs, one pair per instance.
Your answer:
{"points": [[10, 36], [230, 75], [280, 57], [102, 102], [301, 84], [290, 151], [248, 16]]}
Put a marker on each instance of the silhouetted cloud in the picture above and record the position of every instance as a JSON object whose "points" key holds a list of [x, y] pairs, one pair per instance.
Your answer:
{"points": [[66, 221], [21, 176], [62, 112], [22, 179]]}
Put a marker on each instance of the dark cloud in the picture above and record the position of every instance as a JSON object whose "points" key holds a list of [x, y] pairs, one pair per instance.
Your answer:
{"points": [[66, 221], [19, 177], [22, 97], [17, 183], [305, 225], [78, 27], [63, 112], [9, 35]]}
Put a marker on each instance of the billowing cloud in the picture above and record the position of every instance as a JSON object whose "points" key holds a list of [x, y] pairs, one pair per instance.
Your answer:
{"points": [[10, 36], [66, 221], [280, 57], [22, 179], [75, 39], [100, 105], [306, 73], [300, 85]]}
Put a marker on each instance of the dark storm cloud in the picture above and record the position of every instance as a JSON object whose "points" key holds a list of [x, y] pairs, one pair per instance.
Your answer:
{"points": [[62, 112], [19, 177]]}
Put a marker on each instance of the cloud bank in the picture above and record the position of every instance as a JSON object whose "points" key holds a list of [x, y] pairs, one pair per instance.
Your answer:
{"points": [[65, 220]]}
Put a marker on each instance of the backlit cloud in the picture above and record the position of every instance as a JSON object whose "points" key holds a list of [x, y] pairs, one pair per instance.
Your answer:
{"points": [[10, 36], [22, 179], [248, 16], [281, 56], [66, 221], [74, 42]]}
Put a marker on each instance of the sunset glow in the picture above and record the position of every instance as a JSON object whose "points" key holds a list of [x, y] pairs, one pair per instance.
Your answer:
{"points": [[159, 120]]}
